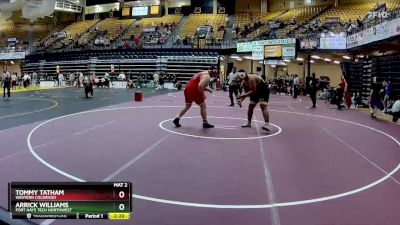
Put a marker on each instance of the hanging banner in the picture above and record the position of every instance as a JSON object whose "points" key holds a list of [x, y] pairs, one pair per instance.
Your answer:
{"points": [[309, 43], [257, 53], [244, 47], [333, 43], [384, 30], [289, 51], [275, 41], [12, 55], [272, 51]]}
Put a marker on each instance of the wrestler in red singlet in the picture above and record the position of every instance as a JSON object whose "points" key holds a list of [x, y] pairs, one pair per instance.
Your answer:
{"points": [[194, 92]]}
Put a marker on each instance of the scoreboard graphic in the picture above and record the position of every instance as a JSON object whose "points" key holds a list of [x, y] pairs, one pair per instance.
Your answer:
{"points": [[70, 200]]}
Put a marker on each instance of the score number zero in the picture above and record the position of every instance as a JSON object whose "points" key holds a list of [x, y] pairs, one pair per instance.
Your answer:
{"points": [[121, 194]]}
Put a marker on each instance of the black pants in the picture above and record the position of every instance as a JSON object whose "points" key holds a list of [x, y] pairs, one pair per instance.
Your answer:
{"points": [[6, 86], [295, 91], [233, 89], [396, 115], [313, 96], [339, 99], [89, 89]]}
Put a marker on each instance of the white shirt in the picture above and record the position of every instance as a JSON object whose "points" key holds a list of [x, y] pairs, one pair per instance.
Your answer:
{"points": [[156, 77], [296, 81], [396, 106], [14, 77], [26, 77], [233, 79], [122, 76]]}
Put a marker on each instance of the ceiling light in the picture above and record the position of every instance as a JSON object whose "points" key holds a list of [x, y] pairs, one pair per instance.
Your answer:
{"points": [[327, 60], [315, 57], [312, 61], [300, 59], [286, 60], [346, 57], [248, 57], [336, 62]]}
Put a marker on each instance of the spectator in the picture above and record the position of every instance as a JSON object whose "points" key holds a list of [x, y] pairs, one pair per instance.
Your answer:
{"points": [[106, 80], [60, 79], [388, 90], [313, 90], [161, 82], [6, 85], [81, 79], [347, 98], [94, 80], [71, 80], [395, 111], [87, 83], [121, 76], [19, 79], [2, 78], [26, 80], [34, 79], [296, 83], [178, 85], [136, 40], [13, 80], [374, 98], [356, 99]]}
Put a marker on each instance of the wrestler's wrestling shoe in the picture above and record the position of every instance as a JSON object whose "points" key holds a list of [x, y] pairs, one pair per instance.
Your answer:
{"points": [[246, 125], [207, 125], [176, 122], [265, 128]]}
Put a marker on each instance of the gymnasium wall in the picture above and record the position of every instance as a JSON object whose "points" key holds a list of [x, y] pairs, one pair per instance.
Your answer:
{"points": [[324, 69], [275, 5], [15, 68], [364, 1], [248, 6], [177, 3]]}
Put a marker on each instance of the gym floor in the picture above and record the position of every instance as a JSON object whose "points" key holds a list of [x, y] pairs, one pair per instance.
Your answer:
{"points": [[316, 166]]}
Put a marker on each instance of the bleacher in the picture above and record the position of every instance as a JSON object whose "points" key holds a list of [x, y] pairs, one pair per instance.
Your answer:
{"points": [[73, 31], [110, 28], [113, 27], [198, 20], [10, 29], [392, 6], [243, 19], [151, 22], [348, 12], [300, 15]]}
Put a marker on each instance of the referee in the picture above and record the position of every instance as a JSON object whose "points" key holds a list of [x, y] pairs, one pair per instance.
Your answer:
{"points": [[234, 85]]}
